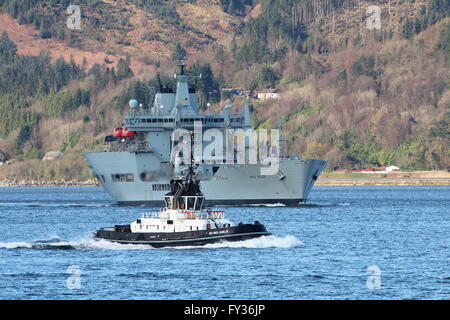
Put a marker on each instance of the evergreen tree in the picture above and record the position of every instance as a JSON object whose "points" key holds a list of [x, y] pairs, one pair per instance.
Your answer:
{"points": [[179, 53], [8, 49], [207, 87], [123, 69], [44, 32], [444, 40], [23, 136], [267, 76]]}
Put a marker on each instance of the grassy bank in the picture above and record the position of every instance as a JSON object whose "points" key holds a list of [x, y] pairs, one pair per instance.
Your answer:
{"points": [[407, 178]]}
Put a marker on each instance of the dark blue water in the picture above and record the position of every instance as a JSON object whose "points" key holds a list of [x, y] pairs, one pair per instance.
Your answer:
{"points": [[320, 251]]}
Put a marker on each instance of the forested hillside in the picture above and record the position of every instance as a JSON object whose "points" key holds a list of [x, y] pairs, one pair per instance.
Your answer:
{"points": [[353, 95]]}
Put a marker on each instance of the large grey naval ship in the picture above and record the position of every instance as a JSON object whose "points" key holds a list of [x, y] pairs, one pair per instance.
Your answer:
{"points": [[136, 168]]}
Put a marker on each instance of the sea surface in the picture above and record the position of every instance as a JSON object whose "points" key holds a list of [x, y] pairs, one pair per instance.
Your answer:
{"points": [[347, 243]]}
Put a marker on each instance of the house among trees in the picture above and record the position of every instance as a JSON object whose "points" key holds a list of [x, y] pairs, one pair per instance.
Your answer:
{"points": [[233, 91], [268, 94], [230, 92]]}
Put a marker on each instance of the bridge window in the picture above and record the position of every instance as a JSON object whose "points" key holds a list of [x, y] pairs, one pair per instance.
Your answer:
{"points": [[122, 177]]}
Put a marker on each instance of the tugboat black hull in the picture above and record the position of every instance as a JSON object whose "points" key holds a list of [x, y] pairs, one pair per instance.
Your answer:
{"points": [[123, 234]]}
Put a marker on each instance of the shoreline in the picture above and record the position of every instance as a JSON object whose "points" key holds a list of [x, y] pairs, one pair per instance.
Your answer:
{"points": [[383, 182], [322, 181], [405, 178], [58, 183]]}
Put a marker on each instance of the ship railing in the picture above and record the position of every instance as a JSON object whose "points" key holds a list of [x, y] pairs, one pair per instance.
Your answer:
{"points": [[152, 114]]}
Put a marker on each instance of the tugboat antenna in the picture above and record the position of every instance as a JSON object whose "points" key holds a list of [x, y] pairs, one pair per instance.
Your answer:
{"points": [[158, 77]]}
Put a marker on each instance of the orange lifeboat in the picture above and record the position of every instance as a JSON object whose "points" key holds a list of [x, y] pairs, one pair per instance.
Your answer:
{"points": [[118, 133], [128, 134]]}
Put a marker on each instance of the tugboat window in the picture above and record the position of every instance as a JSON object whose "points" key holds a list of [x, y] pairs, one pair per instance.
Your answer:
{"points": [[181, 204], [190, 203], [199, 203]]}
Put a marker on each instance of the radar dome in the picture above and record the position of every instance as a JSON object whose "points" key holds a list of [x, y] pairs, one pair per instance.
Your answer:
{"points": [[133, 103]]}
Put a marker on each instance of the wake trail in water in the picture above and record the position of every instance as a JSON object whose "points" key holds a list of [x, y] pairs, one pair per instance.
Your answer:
{"points": [[92, 244], [269, 205], [83, 244], [256, 243]]}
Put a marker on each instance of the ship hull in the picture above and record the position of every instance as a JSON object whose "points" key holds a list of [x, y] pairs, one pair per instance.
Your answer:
{"points": [[120, 234], [236, 184]]}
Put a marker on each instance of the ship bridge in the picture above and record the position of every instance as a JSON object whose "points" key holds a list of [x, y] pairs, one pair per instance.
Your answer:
{"points": [[180, 109], [145, 120]]}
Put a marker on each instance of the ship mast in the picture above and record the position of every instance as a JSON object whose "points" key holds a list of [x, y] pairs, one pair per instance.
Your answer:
{"points": [[281, 138], [182, 65]]}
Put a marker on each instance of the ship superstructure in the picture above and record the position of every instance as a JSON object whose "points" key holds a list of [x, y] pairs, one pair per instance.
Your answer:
{"points": [[136, 166]]}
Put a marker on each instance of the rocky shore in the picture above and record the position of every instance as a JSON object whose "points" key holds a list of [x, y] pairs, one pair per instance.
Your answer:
{"points": [[57, 183], [407, 178], [383, 182], [425, 178]]}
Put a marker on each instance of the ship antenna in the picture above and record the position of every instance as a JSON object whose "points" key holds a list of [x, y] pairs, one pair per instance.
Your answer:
{"points": [[182, 65], [281, 138]]}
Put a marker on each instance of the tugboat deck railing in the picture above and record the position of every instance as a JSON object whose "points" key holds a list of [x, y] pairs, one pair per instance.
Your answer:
{"points": [[185, 214]]}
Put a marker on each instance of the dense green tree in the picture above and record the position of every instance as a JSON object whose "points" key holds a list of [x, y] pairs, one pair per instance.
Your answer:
{"points": [[124, 69], [58, 103], [8, 49], [364, 66], [179, 53], [444, 40], [442, 128], [161, 9], [142, 91], [281, 24], [267, 77], [25, 78], [23, 136], [207, 87], [44, 32]]}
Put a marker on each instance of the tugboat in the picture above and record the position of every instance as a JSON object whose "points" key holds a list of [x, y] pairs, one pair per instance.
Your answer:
{"points": [[182, 222]]}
